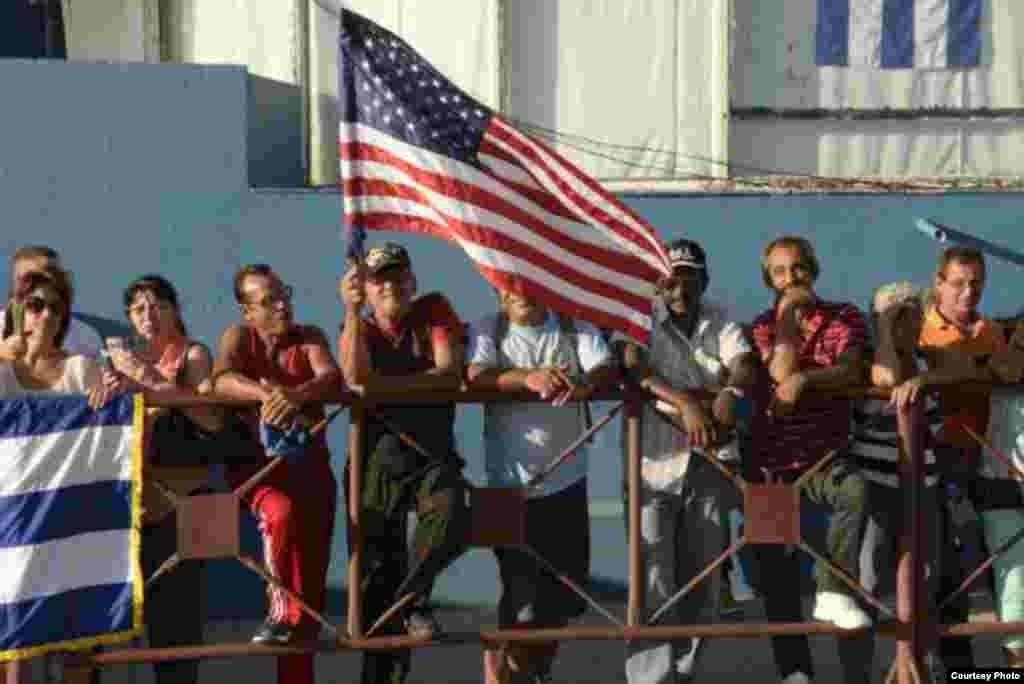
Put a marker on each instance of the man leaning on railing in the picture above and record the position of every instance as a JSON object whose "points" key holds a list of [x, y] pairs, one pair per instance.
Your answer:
{"points": [[684, 500], [961, 345], [408, 345], [897, 313], [525, 346], [807, 344], [288, 367]]}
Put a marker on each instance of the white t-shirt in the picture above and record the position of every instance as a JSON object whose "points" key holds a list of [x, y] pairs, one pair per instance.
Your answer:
{"points": [[521, 438], [80, 373], [685, 363]]}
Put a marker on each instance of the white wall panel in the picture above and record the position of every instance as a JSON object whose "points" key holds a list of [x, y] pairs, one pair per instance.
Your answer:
{"points": [[633, 72], [841, 148], [994, 148], [263, 36], [460, 37], [111, 30]]}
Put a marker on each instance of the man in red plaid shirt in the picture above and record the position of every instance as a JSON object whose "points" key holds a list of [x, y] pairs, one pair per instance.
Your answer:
{"points": [[807, 345]]}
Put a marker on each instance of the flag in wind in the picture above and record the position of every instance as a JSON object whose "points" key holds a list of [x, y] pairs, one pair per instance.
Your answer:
{"points": [[899, 34], [419, 155], [70, 488]]}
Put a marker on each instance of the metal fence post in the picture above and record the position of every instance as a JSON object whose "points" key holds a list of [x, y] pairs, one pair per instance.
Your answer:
{"points": [[357, 428], [633, 455], [912, 600]]}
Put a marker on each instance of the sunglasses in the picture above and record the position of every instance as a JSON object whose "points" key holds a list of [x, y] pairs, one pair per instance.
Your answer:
{"points": [[35, 305]]}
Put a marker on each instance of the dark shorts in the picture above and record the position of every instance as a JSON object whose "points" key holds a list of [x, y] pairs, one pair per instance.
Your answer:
{"points": [[558, 530]]}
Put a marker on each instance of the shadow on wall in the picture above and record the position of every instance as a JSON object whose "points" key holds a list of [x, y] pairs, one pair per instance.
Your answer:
{"points": [[275, 142]]}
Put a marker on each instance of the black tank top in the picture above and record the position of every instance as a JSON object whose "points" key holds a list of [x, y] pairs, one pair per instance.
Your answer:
{"points": [[432, 425]]}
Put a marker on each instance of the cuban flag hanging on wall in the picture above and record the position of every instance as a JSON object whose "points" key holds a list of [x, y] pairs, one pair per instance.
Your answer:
{"points": [[899, 34]]}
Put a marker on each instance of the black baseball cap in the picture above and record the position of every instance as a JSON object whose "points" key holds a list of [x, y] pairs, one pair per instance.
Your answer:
{"points": [[683, 253], [388, 255]]}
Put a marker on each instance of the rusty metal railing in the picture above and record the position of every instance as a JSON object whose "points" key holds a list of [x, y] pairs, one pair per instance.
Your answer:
{"points": [[914, 627]]}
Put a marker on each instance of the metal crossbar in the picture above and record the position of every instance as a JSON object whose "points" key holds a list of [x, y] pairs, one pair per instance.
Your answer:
{"points": [[913, 629], [969, 581]]}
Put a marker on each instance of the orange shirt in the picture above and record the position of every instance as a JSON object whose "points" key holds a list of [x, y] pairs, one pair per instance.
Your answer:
{"points": [[961, 405]]}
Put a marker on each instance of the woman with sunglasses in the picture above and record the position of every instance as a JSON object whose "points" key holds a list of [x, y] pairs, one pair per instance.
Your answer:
{"points": [[40, 365], [36, 317], [164, 361]]}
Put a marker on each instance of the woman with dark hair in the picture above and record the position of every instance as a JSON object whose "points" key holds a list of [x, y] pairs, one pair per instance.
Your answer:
{"points": [[36, 316], [42, 300], [166, 363]]}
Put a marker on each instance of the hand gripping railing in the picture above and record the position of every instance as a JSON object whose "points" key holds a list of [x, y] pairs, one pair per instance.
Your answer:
{"points": [[914, 628]]}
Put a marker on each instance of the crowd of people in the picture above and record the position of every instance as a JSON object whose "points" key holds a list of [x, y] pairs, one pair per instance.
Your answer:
{"points": [[761, 399]]}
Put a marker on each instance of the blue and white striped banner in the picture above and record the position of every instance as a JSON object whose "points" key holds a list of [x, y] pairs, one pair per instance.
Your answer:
{"points": [[70, 494], [899, 34]]}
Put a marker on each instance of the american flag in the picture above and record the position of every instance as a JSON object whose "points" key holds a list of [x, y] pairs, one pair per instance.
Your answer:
{"points": [[420, 155]]}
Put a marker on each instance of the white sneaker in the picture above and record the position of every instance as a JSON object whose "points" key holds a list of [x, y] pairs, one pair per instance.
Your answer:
{"points": [[797, 678], [839, 609]]}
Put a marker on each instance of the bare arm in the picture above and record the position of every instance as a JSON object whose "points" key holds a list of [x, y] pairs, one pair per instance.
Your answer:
{"points": [[449, 362], [445, 375], [890, 365], [784, 357], [944, 368], [353, 351], [198, 365], [743, 370], [504, 379], [690, 415], [847, 367], [602, 376], [446, 344], [950, 368], [228, 378], [639, 371], [740, 380], [784, 361], [326, 380], [849, 371], [485, 374]]}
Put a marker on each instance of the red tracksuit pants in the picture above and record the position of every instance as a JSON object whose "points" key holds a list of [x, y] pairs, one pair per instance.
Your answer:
{"points": [[295, 509]]}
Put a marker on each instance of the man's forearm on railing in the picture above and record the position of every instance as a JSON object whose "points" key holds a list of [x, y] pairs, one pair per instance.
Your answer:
{"points": [[323, 388], [499, 379], [233, 385]]}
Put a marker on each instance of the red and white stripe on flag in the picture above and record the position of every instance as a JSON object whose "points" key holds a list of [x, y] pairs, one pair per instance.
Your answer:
{"points": [[530, 221]]}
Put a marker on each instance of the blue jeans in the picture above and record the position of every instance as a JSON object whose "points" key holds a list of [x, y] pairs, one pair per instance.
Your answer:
{"points": [[680, 535]]}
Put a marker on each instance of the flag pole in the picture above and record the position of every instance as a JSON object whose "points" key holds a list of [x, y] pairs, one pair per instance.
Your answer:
{"points": [[951, 236]]}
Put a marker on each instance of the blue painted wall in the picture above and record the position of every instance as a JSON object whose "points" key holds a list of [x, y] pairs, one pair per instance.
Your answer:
{"points": [[128, 169]]}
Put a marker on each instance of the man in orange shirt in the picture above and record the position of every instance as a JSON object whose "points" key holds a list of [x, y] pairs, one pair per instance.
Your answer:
{"points": [[958, 344]]}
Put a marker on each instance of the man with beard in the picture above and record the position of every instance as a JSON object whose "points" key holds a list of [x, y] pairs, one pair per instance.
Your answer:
{"points": [[289, 369], [808, 345], [684, 500], [410, 345]]}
